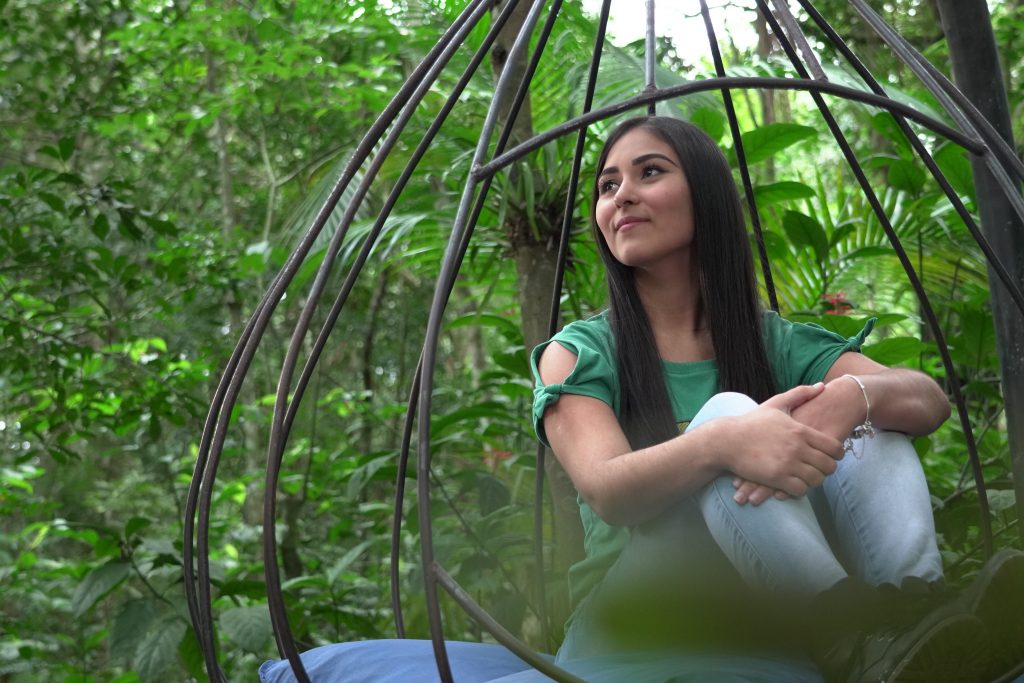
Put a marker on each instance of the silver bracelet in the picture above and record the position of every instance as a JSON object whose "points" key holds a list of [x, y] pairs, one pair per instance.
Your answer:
{"points": [[863, 430]]}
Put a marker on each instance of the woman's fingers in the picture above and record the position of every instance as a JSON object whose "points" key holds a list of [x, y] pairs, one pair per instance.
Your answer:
{"points": [[797, 396], [824, 443], [744, 490], [775, 453], [755, 494], [761, 493]]}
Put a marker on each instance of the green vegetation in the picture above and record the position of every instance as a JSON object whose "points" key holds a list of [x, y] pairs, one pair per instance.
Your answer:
{"points": [[159, 161]]}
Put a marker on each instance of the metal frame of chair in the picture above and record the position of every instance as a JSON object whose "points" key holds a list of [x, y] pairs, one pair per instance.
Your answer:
{"points": [[971, 132]]}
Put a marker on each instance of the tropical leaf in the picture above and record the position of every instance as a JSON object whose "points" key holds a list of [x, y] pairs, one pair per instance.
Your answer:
{"points": [[896, 350], [952, 161], [158, 650], [906, 176], [248, 627], [98, 583], [786, 190], [764, 142], [805, 231], [131, 625]]}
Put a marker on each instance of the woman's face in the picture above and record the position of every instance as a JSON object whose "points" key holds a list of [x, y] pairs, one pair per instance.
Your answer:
{"points": [[644, 208]]}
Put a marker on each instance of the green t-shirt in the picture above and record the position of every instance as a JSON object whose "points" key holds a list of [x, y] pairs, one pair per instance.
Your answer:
{"points": [[799, 353]]}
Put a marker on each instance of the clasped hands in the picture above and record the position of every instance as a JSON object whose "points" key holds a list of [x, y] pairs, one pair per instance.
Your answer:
{"points": [[790, 443]]}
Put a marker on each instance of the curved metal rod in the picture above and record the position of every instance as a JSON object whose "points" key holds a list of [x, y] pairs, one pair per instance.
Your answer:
{"points": [[925, 156], [908, 267], [227, 391], [374, 233], [520, 97], [446, 278], [214, 435], [733, 83], [403, 459], [500, 633], [994, 141], [278, 437], [942, 88], [556, 298], [201, 621], [1003, 150], [741, 161]]}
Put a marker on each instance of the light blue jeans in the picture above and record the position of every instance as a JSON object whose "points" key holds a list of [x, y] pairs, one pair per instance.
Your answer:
{"points": [[877, 501]]}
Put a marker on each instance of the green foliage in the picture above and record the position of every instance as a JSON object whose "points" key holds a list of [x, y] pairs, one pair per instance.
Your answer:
{"points": [[160, 161]]}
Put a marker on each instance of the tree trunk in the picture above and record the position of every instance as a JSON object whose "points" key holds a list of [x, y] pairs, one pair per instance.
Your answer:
{"points": [[536, 261], [976, 70], [764, 51]]}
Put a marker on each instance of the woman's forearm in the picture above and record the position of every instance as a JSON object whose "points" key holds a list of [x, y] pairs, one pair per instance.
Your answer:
{"points": [[894, 399]]}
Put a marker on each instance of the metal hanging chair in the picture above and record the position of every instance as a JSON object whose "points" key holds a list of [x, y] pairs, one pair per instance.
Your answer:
{"points": [[970, 131]]}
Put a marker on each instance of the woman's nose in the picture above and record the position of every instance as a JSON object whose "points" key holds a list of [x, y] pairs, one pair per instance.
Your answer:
{"points": [[624, 194]]}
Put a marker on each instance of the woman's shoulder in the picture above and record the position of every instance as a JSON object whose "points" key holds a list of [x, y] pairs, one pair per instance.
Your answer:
{"points": [[589, 336], [595, 328]]}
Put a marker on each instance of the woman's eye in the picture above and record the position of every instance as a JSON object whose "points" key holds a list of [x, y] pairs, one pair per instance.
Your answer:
{"points": [[607, 186], [652, 170]]}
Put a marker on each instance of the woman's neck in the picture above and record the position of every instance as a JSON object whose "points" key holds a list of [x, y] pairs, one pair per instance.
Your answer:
{"points": [[672, 302], [671, 297]]}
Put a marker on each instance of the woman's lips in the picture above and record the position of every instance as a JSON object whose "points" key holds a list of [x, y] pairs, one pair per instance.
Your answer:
{"points": [[627, 223]]}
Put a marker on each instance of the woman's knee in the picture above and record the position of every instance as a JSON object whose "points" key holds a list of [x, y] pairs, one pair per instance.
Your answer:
{"points": [[724, 404]]}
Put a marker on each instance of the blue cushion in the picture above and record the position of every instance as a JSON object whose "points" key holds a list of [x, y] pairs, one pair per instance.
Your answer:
{"points": [[402, 661], [396, 661]]}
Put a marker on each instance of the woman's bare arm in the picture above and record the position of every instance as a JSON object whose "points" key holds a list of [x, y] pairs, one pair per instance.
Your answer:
{"points": [[626, 486], [901, 400]]}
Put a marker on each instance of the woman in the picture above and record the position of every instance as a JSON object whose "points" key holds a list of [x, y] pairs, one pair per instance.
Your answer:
{"points": [[681, 484]]}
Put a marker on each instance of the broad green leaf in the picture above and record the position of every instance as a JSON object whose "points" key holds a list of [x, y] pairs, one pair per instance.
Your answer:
{"points": [[869, 252], [192, 655], [804, 231], [473, 413], [775, 244], [504, 324], [885, 123], [135, 525], [159, 649], [66, 147], [101, 226], [96, 584], [348, 558], [51, 151], [131, 625], [1000, 500], [906, 176], [952, 161], [895, 350], [785, 190], [52, 201], [710, 121], [843, 325], [765, 141], [247, 627], [841, 233]]}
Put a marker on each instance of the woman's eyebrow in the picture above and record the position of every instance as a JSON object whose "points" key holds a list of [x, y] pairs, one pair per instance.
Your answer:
{"points": [[636, 162], [653, 155]]}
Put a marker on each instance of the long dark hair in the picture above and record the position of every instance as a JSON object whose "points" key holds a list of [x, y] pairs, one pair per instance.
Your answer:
{"points": [[728, 290]]}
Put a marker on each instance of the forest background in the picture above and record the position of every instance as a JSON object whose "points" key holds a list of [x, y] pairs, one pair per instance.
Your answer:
{"points": [[159, 160]]}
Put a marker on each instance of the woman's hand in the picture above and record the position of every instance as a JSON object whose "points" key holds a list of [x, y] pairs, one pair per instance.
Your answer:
{"points": [[778, 456], [901, 400]]}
